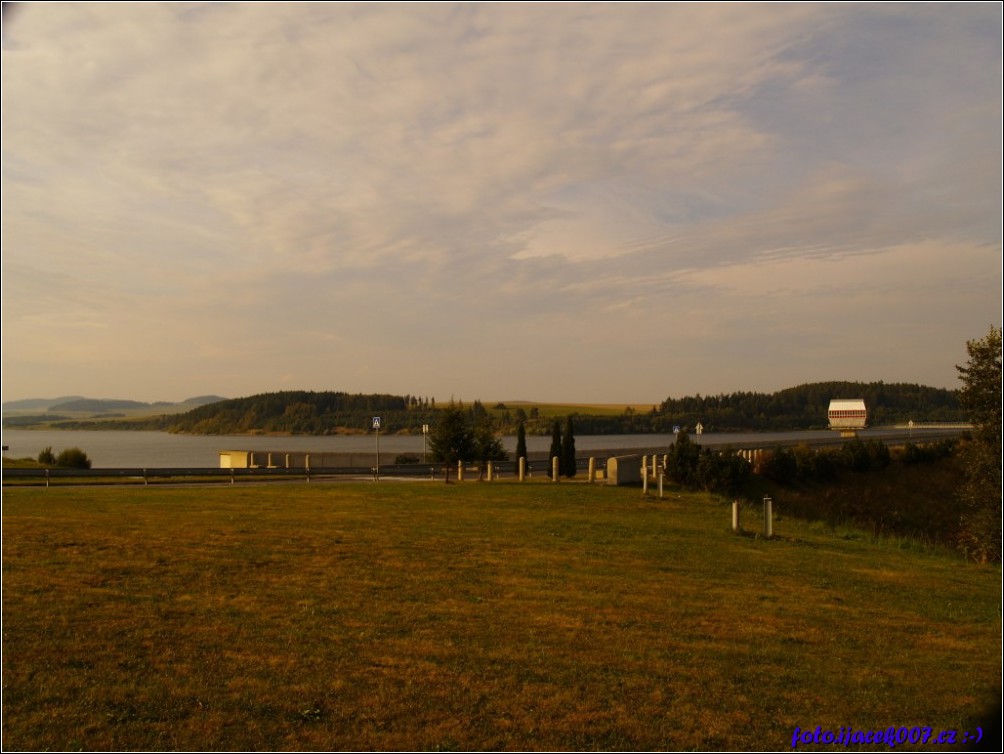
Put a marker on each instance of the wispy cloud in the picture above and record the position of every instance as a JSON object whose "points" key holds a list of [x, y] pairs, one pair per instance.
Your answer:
{"points": [[420, 181]]}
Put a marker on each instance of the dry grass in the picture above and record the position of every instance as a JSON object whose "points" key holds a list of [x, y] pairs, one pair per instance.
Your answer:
{"points": [[476, 616]]}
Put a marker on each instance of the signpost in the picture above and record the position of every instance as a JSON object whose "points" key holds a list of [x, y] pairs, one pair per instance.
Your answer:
{"points": [[425, 443], [376, 426]]}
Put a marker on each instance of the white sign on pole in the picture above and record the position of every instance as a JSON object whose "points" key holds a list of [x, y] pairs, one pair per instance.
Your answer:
{"points": [[376, 422]]}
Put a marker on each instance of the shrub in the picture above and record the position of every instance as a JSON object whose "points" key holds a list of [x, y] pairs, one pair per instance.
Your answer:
{"points": [[47, 457], [73, 458]]}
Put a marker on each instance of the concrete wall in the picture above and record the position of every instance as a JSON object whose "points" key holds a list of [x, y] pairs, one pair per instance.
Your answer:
{"points": [[624, 470], [282, 459]]}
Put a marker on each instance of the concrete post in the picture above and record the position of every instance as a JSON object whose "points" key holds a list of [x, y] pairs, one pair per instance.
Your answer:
{"points": [[460, 471], [554, 469], [522, 468], [644, 478], [491, 471], [661, 476], [768, 517], [735, 515], [592, 470], [655, 462]]}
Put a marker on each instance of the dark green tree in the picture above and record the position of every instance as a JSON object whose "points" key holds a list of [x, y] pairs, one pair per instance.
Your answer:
{"points": [[520, 441], [452, 438], [47, 457], [73, 458], [980, 531], [682, 461], [555, 448], [567, 463], [487, 444]]}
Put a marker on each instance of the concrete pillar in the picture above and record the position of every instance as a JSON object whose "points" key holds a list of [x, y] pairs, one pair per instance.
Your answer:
{"points": [[555, 463], [655, 463], [644, 478], [644, 467], [491, 471], [768, 517], [735, 515], [661, 477], [460, 471], [522, 468], [592, 470]]}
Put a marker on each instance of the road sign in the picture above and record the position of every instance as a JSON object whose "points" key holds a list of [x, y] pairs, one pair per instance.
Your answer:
{"points": [[376, 422]]}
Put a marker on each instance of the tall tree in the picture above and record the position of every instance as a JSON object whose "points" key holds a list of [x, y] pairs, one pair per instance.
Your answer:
{"points": [[487, 445], [980, 536], [520, 442], [452, 438], [568, 467], [555, 451]]}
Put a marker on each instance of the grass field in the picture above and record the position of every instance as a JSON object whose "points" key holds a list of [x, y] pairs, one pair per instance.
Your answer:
{"points": [[471, 616]]}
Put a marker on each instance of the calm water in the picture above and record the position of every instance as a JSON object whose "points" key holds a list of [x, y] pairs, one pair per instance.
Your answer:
{"points": [[114, 449]]}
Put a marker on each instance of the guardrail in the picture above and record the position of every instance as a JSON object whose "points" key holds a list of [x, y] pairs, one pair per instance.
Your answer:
{"points": [[147, 476]]}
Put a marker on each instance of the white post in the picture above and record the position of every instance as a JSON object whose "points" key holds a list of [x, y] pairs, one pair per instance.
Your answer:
{"points": [[592, 470], [735, 515], [644, 469], [460, 471], [655, 461], [768, 517], [522, 468], [644, 479], [491, 470], [554, 468], [661, 476]]}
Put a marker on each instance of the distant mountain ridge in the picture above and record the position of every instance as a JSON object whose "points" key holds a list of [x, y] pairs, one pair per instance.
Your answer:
{"points": [[98, 405]]}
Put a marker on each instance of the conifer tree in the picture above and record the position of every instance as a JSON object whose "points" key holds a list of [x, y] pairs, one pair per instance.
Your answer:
{"points": [[520, 442], [568, 467], [555, 448]]}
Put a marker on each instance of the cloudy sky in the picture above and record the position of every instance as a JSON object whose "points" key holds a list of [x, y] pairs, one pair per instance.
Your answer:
{"points": [[568, 202]]}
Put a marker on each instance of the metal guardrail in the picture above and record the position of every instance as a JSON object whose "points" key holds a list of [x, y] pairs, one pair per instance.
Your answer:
{"points": [[261, 473]]}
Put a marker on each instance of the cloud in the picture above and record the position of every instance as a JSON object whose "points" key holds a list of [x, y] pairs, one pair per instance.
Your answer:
{"points": [[281, 169]]}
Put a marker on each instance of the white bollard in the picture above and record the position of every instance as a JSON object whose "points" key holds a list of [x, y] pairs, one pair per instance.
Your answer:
{"points": [[592, 470], [735, 515], [491, 471], [460, 471], [644, 481], [554, 468], [522, 468], [768, 517], [661, 477]]}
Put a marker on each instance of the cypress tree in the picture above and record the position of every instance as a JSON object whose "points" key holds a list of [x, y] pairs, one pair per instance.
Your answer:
{"points": [[568, 467], [555, 448], [520, 443]]}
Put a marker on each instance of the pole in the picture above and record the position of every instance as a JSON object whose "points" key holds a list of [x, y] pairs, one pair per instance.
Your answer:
{"points": [[768, 517]]}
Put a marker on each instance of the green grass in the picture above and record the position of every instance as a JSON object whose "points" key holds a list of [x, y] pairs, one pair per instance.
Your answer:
{"points": [[471, 616]]}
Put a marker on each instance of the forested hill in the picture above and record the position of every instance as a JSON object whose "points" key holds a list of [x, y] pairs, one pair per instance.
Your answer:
{"points": [[301, 412], [802, 407]]}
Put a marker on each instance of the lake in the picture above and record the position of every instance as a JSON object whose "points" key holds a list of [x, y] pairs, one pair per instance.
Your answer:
{"points": [[124, 449]]}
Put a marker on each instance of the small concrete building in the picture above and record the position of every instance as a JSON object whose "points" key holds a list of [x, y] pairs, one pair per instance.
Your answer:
{"points": [[847, 416], [624, 470]]}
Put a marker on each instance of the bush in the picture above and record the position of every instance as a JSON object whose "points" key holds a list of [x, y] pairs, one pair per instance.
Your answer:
{"points": [[47, 457], [73, 458], [406, 458]]}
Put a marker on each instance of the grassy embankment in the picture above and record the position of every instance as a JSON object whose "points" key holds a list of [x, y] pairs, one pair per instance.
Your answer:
{"points": [[474, 616]]}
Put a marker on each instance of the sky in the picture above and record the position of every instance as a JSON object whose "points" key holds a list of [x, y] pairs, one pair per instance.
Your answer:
{"points": [[570, 202]]}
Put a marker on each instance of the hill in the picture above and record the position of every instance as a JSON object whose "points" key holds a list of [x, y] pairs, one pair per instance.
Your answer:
{"points": [[327, 412]]}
